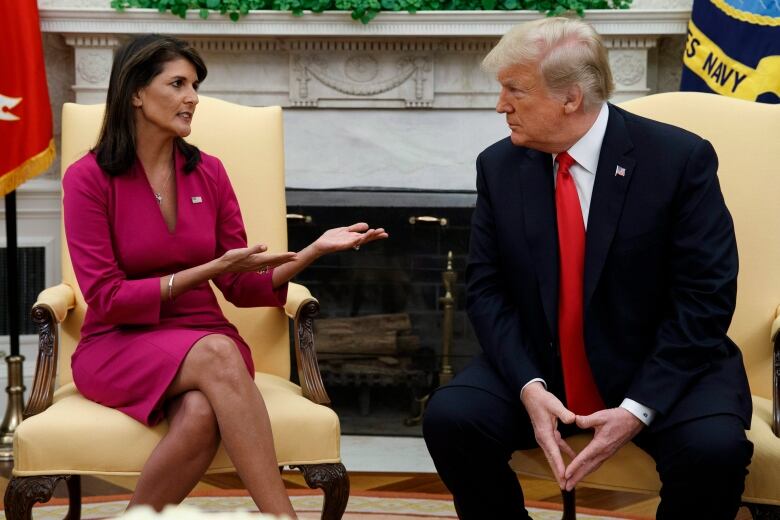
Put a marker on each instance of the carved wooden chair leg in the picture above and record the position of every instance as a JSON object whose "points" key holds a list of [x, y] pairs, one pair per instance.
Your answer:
{"points": [[334, 482], [74, 498], [764, 512], [23, 492], [569, 505]]}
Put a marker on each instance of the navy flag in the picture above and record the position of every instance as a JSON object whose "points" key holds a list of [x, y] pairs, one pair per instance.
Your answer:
{"points": [[733, 49]]}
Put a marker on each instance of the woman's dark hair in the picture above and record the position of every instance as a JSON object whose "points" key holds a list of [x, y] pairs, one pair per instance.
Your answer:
{"points": [[135, 65]]}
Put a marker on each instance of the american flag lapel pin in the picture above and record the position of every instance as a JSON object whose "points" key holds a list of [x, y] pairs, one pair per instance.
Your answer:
{"points": [[197, 200], [620, 171]]}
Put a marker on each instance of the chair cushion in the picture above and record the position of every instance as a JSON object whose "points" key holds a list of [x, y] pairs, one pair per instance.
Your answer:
{"points": [[78, 436], [631, 469], [763, 482]]}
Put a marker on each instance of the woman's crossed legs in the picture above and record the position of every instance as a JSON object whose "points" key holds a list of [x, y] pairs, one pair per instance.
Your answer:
{"points": [[211, 398]]}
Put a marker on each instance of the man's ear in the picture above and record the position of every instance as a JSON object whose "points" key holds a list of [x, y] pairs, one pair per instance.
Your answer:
{"points": [[573, 99]]}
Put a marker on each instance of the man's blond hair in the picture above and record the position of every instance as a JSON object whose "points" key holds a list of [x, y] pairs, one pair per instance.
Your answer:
{"points": [[567, 52]]}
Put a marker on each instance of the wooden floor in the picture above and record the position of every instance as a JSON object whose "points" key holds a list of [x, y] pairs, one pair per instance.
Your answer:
{"points": [[538, 490]]}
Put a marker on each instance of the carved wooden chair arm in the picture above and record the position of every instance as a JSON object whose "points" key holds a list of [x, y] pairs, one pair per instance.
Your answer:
{"points": [[775, 337], [48, 312], [302, 308]]}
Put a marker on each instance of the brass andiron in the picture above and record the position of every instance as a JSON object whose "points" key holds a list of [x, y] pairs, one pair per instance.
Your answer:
{"points": [[449, 277], [13, 412], [447, 301]]}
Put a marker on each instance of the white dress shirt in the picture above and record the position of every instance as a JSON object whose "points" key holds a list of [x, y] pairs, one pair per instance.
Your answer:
{"points": [[585, 153]]}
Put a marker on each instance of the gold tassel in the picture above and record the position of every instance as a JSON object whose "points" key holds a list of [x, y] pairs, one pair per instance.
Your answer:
{"points": [[33, 166]]}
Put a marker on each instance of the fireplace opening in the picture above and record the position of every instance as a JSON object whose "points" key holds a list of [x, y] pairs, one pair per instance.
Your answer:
{"points": [[380, 333]]}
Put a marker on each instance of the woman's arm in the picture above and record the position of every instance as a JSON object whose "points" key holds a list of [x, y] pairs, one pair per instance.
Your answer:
{"points": [[337, 239], [246, 259], [241, 283]]}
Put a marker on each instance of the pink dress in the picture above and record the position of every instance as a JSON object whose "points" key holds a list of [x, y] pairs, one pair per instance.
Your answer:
{"points": [[132, 342]]}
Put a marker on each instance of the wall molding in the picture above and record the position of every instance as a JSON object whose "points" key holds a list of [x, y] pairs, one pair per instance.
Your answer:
{"points": [[37, 198]]}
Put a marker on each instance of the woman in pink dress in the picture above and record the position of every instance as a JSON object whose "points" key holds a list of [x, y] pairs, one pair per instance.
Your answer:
{"points": [[154, 341]]}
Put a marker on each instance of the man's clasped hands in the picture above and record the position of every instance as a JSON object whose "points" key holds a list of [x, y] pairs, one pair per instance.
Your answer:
{"points": [[613, 427]]}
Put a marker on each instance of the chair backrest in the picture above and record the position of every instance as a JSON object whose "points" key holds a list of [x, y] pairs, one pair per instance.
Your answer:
{"points": [[746, 137], [249, 141]]}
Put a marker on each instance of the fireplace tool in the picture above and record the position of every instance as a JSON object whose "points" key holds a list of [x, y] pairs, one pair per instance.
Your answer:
{"points": [[449, 277]]}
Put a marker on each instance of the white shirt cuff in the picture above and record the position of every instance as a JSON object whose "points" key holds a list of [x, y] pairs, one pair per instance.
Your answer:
{"points": [[534, 380], [640, 411]]}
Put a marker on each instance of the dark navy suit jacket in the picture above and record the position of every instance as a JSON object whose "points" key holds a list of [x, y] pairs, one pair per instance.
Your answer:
{"points": [[660, 273]]}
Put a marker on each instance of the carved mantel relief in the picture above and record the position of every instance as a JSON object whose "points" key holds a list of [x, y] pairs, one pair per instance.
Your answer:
{"points": [[381, 75], [93, 56]]}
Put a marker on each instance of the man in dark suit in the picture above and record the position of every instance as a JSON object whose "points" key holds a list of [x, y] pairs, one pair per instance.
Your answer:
{"points": [[601, 282]]}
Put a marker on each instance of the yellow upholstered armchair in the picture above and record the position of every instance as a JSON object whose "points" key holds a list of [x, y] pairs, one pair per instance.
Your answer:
{"points": [[746, 137], [63, 435]]}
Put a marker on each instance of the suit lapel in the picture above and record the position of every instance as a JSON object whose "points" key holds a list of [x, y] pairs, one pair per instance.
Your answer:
{"points": [[540, 229], [612, 178]]}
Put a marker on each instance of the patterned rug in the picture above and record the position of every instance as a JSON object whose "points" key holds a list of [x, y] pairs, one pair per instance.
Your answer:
{"points": [[373, 505]]}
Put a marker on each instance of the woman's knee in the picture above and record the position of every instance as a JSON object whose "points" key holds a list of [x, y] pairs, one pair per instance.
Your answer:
{"points": [[196, 406], [195, 415], [219, 357], [213, 365]]}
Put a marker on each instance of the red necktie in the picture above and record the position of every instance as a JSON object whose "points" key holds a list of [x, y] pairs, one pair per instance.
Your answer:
{"points": [[582, 395]]}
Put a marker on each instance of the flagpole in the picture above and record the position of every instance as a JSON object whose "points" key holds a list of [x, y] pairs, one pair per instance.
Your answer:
{"points": [[26, 150], [15, 388], [13, 272]]}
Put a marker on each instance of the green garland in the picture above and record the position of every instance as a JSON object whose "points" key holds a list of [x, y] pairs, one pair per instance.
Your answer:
{"points": [[365, 10]]}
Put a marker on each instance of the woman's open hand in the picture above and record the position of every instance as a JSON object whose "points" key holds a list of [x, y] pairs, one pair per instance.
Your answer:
{"points": [[354, 236], [255, 258]]}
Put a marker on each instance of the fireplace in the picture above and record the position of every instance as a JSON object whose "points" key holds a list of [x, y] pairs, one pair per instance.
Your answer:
{"points": [[383, 301]]}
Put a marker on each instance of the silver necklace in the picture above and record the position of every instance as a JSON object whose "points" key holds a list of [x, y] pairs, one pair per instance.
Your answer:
{"points": [[158, 194]]}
